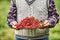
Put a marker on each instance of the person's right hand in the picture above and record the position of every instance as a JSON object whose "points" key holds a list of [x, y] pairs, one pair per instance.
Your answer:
{"points": [[13, 24]]}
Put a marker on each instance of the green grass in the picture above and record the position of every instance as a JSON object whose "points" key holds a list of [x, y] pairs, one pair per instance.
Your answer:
{"points": [[55, 32], [7, 33]]}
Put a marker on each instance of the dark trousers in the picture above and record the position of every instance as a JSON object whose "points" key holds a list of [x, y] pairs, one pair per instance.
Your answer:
{"points": [[46, 38]]}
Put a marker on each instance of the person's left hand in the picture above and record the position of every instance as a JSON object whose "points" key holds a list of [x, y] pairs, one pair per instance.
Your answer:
{"points": [[46, 23]]}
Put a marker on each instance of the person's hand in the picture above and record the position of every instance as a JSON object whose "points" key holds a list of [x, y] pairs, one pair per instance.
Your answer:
{"points": [[46, 23], [13, 24]]}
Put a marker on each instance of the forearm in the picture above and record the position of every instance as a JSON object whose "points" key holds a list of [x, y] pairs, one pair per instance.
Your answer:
{"points": [[12, 14], [53, 15]]}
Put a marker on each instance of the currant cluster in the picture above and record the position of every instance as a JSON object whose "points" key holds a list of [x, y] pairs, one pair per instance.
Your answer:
{"points": [[28, 22]]}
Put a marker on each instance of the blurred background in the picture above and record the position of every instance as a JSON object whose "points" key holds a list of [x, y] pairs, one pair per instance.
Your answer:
{"points": [[6, 33]]}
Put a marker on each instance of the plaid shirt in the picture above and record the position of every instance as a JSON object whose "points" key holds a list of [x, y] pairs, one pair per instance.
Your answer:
{"points": [[52, 14]]}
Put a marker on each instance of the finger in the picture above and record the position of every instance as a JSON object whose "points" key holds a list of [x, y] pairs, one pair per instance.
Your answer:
{"points": [[14, 23], [13, 26], [47, 24]]}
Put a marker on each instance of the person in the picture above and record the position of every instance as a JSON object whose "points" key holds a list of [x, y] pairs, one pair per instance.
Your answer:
{"points": [[43, 10]]}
